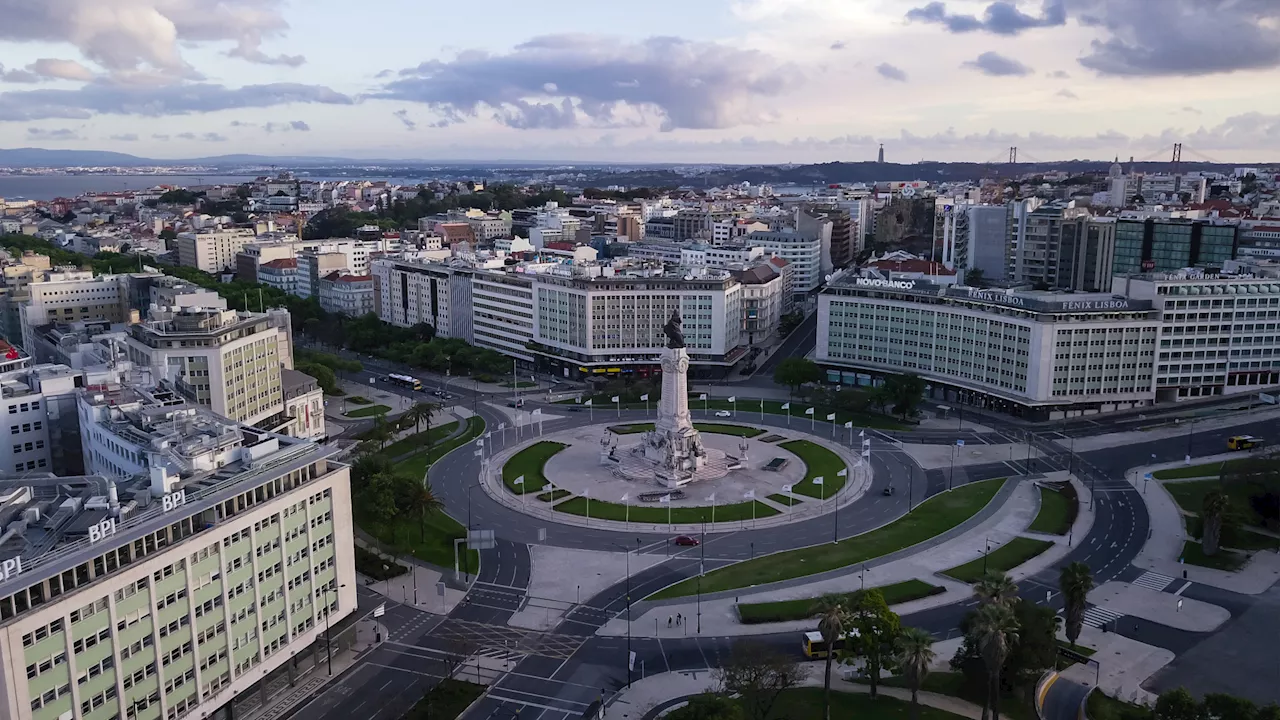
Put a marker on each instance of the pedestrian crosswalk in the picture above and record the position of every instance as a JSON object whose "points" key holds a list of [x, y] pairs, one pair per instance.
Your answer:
{"points": [[1153, 581], [1096, 617]]}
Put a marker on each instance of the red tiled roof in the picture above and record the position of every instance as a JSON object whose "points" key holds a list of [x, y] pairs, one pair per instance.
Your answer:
{"points": [[281, 264], [779, 262]]}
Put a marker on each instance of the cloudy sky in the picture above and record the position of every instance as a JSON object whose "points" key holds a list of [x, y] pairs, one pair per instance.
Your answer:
{"points": [[738, 81]]}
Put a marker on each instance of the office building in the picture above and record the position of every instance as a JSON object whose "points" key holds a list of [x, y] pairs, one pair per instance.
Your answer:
{"points": [[279, 274], [215, 250], [844, 231], [699, 223], [166, 595], [257, 254], [227, 361], [1220, 334], [983, 245], [1039, 355], [67, 295], [807, 247], [1172, 244]]}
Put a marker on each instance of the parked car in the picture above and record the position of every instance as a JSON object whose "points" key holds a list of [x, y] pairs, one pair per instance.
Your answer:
{"points": [[723, 413], [686, 541]]}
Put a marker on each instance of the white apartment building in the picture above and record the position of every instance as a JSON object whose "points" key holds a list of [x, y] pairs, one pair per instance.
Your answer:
{"points": [[280, 274], [68, 295], [411, 293], [213, 251], [35, 442], [350, 295], [1220, 334], [167, 596], [1039, 355], [503, 313], [803, 250], [352, 257], [227, 361], [303, 405]]}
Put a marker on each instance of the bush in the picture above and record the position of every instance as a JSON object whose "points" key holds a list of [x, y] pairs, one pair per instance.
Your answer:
{"points": [[370, 564]]}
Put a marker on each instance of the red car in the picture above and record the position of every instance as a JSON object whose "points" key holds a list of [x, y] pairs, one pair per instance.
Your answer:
{"points": [[686, 541]]}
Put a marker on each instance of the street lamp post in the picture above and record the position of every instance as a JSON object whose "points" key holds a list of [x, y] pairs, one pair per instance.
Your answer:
{"points": [[627, 551]]}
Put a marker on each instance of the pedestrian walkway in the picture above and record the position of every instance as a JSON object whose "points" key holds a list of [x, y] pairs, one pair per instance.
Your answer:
{"points": [[281, 695], [425, 587], [1153, 581], [1097, 617], [1175, 611], [1120, 664]]}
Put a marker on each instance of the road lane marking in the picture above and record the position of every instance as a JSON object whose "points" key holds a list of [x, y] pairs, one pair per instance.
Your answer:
{"points": [[1182, 589]]}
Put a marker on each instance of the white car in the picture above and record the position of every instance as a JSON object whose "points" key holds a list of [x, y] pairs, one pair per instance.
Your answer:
{"points": [[723, 413]]}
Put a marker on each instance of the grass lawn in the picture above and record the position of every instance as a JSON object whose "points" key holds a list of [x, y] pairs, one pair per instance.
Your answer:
{"points": [[419, 441], [786, 500], [953, 684], [806, 704], [529, 463], [657, 513], [1192, 471], [359, 400], [369, 411], [1105, 707], [552, 496], [446, 701], [785, 610], [1063, 663], [931, 518], [818, 462], [713, 428], [432, 543], [417, 465], [1190, 496], [372, 565], [1002, 559], [1057, 511], [1193, 554], [1237, 538]]}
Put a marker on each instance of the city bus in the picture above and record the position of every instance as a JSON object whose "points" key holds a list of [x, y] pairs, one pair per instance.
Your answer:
{"points": [[815, 647], [405, 381]]}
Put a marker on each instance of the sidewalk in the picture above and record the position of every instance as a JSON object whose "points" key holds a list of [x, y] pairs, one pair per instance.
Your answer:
{"points": [[428, 582], [1121, 666], [650, 692], [1010, 519], [285, 697], [1163, 548], [1163, 430]]}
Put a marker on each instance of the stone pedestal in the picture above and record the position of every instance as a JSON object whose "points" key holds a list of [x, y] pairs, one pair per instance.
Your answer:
{"points": [[674, 446]]}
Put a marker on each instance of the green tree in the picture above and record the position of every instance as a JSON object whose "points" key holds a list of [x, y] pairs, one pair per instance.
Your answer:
{"points": [[907, 391], [758, 674], [877, 628], [367, 466], [707, 706], [995, 588], [378, 499], [833, 619], [1218, 705], [381, 432], [914, 655], [1177, 705], [995, 629], [416, 415], [168, 234], [1212, 514], [975, 278], [796, 371], [421, 501], [1035, 650], [1075, 581]]}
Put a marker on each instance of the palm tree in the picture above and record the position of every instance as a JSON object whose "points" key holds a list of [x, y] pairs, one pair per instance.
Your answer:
{"points": [[381, 432], [1075, 581], [418, 414], [422, 501], [996, 630], [833, 617], [915, 653], [1212, 513], [995, 588]]}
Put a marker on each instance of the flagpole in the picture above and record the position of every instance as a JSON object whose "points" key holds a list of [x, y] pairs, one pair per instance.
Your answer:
{"points": [[588, 496], [761, 409], [669, 526]]}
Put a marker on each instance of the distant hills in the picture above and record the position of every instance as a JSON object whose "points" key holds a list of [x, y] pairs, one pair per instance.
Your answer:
{"points": [[634, 174]]}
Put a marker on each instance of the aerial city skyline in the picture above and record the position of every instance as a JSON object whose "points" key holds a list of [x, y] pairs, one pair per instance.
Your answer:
{"points": [[733, 81]]}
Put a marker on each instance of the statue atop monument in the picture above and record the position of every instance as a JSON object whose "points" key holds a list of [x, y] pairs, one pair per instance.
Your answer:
{"points": [[675, 336]]}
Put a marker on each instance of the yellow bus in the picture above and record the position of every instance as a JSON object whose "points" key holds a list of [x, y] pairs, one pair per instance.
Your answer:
{"points": [[815, 647], [1243, 442]]}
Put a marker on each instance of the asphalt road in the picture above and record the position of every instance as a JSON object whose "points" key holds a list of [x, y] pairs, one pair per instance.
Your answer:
{"points": [[798, 344]]}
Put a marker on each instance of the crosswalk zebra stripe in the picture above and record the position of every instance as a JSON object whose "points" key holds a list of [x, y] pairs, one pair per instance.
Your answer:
{"points": [[1097, 617], [1153, 581]]}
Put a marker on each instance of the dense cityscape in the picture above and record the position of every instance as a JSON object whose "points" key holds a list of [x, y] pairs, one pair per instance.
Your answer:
{"points": [[601, 365]]}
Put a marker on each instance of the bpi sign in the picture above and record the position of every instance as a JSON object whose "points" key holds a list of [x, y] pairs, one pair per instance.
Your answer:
{"points": [[174, 500], [11, 568], [102, 530]]}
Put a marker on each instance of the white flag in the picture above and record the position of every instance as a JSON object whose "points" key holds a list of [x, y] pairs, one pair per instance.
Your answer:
{"points": [[665, 499], [703, 396], [751, 495], [503, 426], [518, 481], [786, 406], [831, 416], [733, 398], [479, 453], [862, 433], [644, 398], [479, 442], [786, 488], [586, 493], [866, 453], [849, 425], [537, 411], [809, 411], [615, 398], [587, 402], [578, 400], [844, 472], [625, 497], [818, 480], [711, 498]]}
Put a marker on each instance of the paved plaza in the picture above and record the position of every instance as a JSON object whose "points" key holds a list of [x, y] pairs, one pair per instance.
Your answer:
{"points": [[577, 469]]}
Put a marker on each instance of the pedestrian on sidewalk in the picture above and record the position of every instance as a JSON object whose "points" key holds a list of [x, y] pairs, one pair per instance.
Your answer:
{"points": [[668, 621], [678, 619]]}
